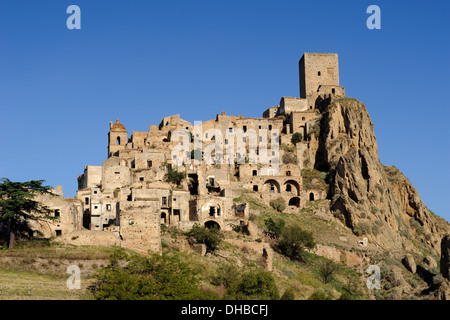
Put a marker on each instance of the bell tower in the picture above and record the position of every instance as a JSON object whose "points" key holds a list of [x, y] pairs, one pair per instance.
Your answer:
{"points": [[117, 138]]}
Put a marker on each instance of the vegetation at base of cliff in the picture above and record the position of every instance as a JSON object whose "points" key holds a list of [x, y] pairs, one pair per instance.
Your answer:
{"points": [[155, 278]]}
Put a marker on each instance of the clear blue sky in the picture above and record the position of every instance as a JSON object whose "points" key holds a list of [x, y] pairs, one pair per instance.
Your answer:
{"points": [[142, 60]]}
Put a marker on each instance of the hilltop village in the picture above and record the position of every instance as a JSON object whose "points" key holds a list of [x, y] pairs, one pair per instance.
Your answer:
{"points": [[127, 199]]}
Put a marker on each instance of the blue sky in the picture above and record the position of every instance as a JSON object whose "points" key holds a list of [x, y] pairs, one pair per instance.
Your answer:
{"points": [[141, 60]]}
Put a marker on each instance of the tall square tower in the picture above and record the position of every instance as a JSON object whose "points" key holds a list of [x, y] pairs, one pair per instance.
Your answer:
{"points": [[317, 69]]}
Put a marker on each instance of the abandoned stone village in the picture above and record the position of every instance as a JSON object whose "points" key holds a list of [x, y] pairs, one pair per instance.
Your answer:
{"points": [[127, 199]]}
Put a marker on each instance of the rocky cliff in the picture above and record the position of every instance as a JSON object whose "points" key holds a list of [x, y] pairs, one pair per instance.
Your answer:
{"points": [[368, 197]]}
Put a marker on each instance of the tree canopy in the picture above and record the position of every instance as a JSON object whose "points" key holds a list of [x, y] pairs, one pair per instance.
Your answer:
{"points": [[17, 205]]}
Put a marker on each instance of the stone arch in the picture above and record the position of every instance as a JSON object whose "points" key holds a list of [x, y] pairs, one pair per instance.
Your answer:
{"points": [[296, 187], [212, 224], [272, 186], [311, 196], [294, 201], [118, 141]]}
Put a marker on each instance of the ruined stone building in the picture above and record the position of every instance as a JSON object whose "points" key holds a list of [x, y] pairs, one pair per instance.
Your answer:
{"points": [[127, 198]]}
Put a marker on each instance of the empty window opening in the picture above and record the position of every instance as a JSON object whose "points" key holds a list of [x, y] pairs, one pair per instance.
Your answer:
{"points": [[255, 188], [164, 201], [95, 191], [311, 196], [270, 127], [176, 214], [333, 91], [212, 211], [95, 207], [288, 173], [288, 188], [58, 233], [117, 174], [230, 129], [163, 218], [108, 207], [303, 118], [318, 73], [86, 200], [141, 178], [244, 128], [149, 163], [57, 213], [255, 173], [118, 140]]}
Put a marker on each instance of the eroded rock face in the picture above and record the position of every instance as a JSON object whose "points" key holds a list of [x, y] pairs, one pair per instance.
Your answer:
{"points": [[366, 194]]}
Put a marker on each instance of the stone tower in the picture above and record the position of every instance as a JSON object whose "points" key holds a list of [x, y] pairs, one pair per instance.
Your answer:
{"points": [[318, 70], [117, 138]]}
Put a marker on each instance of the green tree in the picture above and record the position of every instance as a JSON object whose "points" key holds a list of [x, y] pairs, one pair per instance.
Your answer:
{"points": [[210, 237], [274, 228], [142, 278], [327, 270], [17, 206], [296, 137], [294, 240]]}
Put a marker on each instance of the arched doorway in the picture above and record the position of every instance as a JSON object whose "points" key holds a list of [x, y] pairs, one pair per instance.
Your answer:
{"points": [[212, 224], [295, 202], [311, 196], [293, 187]]}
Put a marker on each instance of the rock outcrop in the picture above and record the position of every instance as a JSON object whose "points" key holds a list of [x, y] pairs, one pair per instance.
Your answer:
{"points": [[409, 263], [366, 196]]}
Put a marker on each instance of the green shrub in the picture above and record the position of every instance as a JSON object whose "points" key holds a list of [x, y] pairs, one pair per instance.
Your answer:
{"points": [[346, 296], [362, 228], [288, 294], [320, 295], [296, 137], [288, 158], [253, 285], [278, 204], [142, 278]]}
